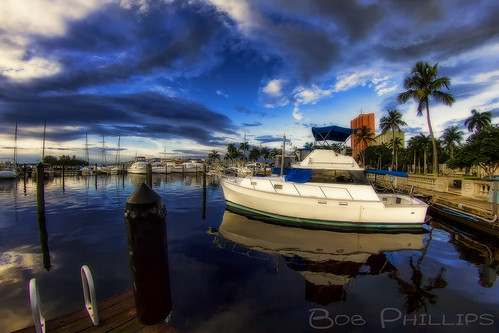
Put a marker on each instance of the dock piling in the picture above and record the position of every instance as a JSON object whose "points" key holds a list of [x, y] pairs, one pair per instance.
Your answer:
{"points": [[149, 175], [145, 219]]}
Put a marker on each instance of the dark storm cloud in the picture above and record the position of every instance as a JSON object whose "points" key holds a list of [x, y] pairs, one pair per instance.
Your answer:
{"points": [[255, 124], [420, 40], [145, 114], [115, 44], [269, 139]]}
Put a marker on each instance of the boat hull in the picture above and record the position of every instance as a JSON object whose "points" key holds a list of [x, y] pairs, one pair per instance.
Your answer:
{"points": [[323, 212]]}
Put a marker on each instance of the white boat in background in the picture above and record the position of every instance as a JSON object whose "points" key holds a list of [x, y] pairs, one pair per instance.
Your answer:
{"points": [[162, 167], [187, 167], [325, 190], [8, 170], [139, 166], [87, 170]]}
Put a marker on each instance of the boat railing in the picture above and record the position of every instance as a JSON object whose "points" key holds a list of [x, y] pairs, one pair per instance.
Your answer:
{"points": [[277, 187]]}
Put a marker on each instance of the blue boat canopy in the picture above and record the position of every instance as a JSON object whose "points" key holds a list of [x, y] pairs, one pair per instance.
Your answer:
{"points": [[334, 133], [390, 173], [299, 175]]}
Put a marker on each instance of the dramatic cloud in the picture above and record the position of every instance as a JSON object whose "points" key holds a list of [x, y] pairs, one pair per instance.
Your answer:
{"points": [[197, 71]]}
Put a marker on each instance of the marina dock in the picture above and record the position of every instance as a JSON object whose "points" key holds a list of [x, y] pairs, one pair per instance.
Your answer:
{"points": [[116, 314]]}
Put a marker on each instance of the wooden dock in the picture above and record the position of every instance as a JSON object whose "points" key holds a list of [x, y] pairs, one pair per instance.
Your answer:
{"points": [[116, 314]]}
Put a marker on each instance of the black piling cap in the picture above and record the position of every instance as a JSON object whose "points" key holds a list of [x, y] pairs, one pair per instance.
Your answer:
{"points": [[143, 198]]}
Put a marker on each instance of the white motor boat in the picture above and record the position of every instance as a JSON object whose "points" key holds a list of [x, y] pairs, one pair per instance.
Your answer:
{"points": [[162, 167], [187, 167], [139, 166], [8, 171], [325, 190]]}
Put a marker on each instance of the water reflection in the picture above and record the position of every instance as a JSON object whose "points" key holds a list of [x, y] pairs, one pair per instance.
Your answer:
{"points": [[329, 261], [484, 255]]}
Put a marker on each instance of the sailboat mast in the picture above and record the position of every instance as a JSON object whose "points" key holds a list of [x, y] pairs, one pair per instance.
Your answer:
{"points": [[104, 162], [118, 151], [43, 147], [15, 145]]}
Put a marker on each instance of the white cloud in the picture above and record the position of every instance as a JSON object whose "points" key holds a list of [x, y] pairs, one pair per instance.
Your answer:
{"points": [[368, 77], [304, 96], [221, 93], [25, 19], [274, 88], [351, 80]]}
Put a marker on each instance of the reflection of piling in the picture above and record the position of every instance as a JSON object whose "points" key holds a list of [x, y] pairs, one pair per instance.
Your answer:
{"points": [[204, 191], [95, 173], [24, 178], [147, 245], [40, 214], [149, 175], [63, 177]]}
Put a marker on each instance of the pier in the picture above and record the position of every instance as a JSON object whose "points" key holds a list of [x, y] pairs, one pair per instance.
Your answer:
{"points": [[117, 314], [464, 204]]}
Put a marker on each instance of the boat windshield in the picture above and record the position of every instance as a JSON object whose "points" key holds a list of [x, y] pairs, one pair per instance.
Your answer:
{"points": [[339, 176]]}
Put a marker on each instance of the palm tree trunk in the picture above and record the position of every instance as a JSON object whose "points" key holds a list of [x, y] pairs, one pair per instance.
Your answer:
{"points": [[393, 143], [433, 141], [425, 166]]}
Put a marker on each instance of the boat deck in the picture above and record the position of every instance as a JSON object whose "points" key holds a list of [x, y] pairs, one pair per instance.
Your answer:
{"points": [[116, 314]]}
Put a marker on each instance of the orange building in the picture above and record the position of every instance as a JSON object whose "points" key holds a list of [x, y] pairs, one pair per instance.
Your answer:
{"points": [[362, 120]]}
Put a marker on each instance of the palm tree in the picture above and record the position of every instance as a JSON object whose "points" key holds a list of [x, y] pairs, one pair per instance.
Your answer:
{"points": [[309, 145], [213, 156], [254, 154], [452, 137], [478, 120], [244, 147], [232, 152], [393, 121], [395, 144], [265, 153], [417, 144], [365, 136], [423, 84]]}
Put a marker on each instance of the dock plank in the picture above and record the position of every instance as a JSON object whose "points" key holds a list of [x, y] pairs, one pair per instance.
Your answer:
{"points": [[116, 314]]}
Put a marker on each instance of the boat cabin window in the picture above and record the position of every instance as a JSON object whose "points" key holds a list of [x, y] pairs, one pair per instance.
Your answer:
{"points": [[339, 177]]}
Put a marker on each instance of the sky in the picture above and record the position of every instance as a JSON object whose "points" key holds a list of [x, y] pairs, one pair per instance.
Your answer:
{"points": [[166, 78]]}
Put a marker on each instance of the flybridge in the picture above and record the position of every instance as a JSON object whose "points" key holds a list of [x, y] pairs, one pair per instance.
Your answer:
{"points": [[333, 133]]}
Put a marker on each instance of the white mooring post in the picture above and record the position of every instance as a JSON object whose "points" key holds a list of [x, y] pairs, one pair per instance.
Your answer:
{"points": [[34, 300], [87, 283]]}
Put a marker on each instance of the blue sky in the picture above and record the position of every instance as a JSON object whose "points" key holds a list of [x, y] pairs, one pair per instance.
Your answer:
{"points": [[187, 77]]}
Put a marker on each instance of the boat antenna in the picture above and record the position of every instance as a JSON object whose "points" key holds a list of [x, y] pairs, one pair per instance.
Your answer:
{"points": [[283, 150]]}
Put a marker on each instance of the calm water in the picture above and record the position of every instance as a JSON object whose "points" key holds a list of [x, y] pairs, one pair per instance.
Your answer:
{"points": [[248, 277]]}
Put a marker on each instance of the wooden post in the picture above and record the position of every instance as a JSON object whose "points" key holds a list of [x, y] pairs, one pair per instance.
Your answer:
{"points": [[40, 214], [145, 219], [204, 191], [149, 174], [495, 188]]}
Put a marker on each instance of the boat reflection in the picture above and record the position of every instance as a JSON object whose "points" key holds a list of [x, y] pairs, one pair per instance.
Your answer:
{"points": [[328, 260]]}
